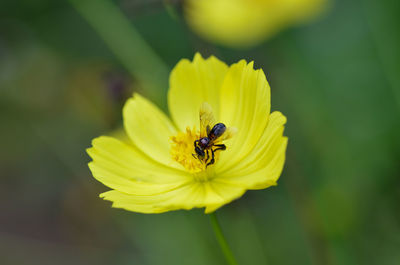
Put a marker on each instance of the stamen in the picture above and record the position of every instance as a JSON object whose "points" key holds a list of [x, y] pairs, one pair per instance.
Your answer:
{"points": [[183, 144], [182, 150]]}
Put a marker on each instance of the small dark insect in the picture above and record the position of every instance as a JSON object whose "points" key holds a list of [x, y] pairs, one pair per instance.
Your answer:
{"points": [[205, 145]]}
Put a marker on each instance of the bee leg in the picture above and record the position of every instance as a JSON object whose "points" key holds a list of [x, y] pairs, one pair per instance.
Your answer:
{"points": [[212, 161], [220, 147], [207, 156]]}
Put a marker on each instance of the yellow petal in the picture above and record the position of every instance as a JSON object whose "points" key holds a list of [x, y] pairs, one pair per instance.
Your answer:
{"points": [[189, 196], [245, 105], [149, 129], [225, 190], [124, 201], [186, 197], [191, 84], [263, 166], [265, 177], [122, 167]]}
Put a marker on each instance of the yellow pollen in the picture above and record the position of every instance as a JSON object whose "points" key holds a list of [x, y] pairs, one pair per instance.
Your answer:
{"points": [[182, 150]]}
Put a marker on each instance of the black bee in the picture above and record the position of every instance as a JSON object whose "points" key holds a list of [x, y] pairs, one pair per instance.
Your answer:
{"points": [[205, 144], [211, 136]]}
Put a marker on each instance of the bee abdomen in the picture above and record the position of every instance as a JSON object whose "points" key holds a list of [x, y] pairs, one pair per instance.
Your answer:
{"points": [[217, 130]]}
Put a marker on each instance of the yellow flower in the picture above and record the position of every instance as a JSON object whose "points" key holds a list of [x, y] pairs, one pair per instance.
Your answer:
{"points": [[240, 23], [159, 170]]}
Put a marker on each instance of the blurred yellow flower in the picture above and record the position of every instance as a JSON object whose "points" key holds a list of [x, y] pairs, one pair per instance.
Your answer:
{"points": [[241, 23], [160, 169]]}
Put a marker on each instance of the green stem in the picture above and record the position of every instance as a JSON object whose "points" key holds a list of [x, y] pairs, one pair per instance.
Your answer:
{"points": [[127, 44], [221, 240]]}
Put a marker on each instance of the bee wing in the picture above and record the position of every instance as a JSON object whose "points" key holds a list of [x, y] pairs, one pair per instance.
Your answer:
{"points": [[207, 119], [229, 133]]}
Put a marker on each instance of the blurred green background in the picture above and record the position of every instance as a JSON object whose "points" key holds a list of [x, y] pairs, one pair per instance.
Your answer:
{"points": [[63, 81]]}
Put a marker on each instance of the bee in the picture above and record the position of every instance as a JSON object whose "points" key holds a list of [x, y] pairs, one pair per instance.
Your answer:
{"points": [[211, 136]]}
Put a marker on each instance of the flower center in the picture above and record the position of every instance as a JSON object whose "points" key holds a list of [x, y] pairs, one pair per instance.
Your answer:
{"points": [[182, 150], [196, 150]]}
